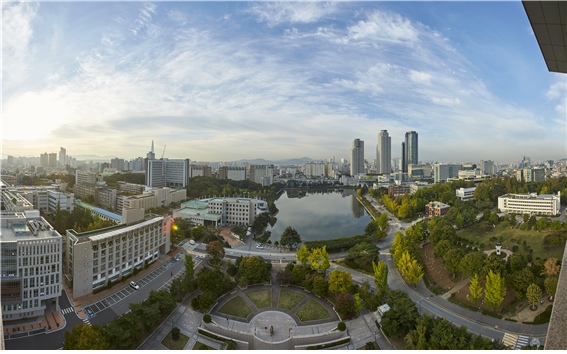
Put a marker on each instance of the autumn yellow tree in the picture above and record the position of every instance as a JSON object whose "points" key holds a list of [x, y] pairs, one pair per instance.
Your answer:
{"points": [[551, 268], [495, 290], [410, 269], [475, 289], [302, 254], [319, 259]]}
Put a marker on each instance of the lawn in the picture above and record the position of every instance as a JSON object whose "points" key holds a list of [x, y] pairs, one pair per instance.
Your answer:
{"points": [[171, 344], [289, 299], [312, 311], [260, 298], [201, 346], [482, 234], [374, 345], [236, 307]]}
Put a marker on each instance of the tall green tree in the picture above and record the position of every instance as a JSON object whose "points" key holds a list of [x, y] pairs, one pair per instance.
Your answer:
{"points": [[533, 294], [442, 248], [383, 221], [495, 290], [380, 276], [85, 337], [364, 254], [124, 331], [452, 260], [402, 315], [471, 264], [551, 286], [189, 267], [302, 254], [290, 237], [216, 250]]}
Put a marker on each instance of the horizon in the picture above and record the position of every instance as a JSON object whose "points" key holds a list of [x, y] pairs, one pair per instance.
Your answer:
{"points": [[202, 78]]}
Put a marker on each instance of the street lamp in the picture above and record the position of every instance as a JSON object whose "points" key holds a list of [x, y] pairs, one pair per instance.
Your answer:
{"points": [[480, 311]]}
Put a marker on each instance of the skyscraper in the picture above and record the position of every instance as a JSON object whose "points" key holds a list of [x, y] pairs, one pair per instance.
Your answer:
{"points": [[62, 157], [44, 160], [383, 153], [52, 159], [411, 157], [357, 157], [403, 159]]}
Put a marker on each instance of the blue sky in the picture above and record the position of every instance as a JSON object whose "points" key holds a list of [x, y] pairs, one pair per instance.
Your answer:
{"points": [[231, 80]]}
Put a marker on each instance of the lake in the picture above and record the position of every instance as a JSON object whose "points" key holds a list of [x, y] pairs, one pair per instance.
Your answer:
{"points": [[321, 216]]}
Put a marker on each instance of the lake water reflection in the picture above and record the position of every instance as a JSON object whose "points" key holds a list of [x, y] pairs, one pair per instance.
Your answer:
{"points": [[321, 216]]}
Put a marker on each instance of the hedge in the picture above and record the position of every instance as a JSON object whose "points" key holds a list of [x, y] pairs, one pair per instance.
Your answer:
{"points": [[337, 244]]}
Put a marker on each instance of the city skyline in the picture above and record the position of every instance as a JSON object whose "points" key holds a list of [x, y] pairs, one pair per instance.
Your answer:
{"points": [[202, 78]]}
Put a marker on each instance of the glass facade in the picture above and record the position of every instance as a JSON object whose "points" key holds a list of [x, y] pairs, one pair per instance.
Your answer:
{"points": [[411, 148]]}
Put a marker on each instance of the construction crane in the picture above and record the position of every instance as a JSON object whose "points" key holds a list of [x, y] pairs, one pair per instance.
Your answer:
{"points": [[163, 152]]}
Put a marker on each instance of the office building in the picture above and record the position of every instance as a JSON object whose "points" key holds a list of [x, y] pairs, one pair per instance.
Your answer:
{"points": [[153, 198], [530, 203], [95, 257], [420, 170], [410, 153], [117, 163], [131, 187], [383, 153], [525, 162], [437, 209], [87, 177], [487, 167], [465, 194], [177, 173], [394, 191], [442, 171], [232, 173], [10, 180], [44, 160], [357, 157], [62, 157], [65, 200], [470, 166], [415, 187], [470, 174], [200, 170], [263, 174], [103, 196], [101, 213], [403, 161], [155, 173], [534, 174], [31, 256], [221, 211], [52, 162]]}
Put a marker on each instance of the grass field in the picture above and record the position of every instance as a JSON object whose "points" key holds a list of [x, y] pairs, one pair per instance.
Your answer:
{"points": [[171, 344], [289, 299], [534, 239], [312, 311], [236, 307], [201, 346], [260, 298]]}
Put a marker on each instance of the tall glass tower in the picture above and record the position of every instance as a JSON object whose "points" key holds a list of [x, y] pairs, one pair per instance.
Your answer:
{"points": [[410, 154]]}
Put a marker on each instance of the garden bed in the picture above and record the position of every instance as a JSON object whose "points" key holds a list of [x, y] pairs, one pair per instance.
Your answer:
{"points": [[236, 307], [312, 311], [289, 299], [178, 344]]}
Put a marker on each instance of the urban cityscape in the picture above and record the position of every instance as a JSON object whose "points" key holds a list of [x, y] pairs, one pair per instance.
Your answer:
{"points": [[161, 203]]}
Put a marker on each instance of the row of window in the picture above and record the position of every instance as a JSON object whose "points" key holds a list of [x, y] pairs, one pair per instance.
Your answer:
{"points": [[37, 249], [117, 262], [38, 270], [38, 260], [41, 281], [23, 305]]}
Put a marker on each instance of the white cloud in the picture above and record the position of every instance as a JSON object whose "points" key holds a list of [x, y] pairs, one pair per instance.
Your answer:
{"points": [[178, 17], [446, 101], [382, 26], [17, 33], [275, 13], [558, 92]]}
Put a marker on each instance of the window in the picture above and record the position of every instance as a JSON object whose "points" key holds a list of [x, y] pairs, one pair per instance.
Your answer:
{"points": [[35, 293], [95, 255], [95, 269], [109, 265]]}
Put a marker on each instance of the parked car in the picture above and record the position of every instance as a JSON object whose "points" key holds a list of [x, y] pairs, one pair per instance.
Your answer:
{"points": [[191, 242], [259, 247], [134, 285]]}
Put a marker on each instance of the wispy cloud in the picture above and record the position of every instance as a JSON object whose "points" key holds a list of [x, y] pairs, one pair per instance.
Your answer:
{"points": [[275, 13]]}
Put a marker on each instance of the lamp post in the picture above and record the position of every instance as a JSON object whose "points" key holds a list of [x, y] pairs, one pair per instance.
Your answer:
{"points": [[480, 311]]}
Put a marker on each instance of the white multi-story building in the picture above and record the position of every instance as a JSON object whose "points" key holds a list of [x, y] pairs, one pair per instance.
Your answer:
{"points": [[222, 211], [315, 169], [168, 173], [154, 198], [258, 172], [12, 200], [65, 200], [383, 153], [465, 194], [419, 170], [95, 257], [87, 177], [469, 174], [232, 173], [442, 171], [31, 255], [530, 203]]}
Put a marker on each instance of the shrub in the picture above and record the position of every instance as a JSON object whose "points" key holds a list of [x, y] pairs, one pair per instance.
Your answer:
{"points": [[136, 271], [482, 245], [175, 333], [207, 318], [231, 269], [290, 266], [530, 257], [341, 326], [195, 303], [515, 248]]}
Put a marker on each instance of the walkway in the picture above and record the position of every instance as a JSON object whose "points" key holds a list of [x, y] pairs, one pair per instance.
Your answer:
{"points": [[456, 288]]}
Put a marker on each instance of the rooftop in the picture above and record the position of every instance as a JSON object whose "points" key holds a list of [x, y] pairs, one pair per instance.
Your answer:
{"points": [[197, 212], [96, 232], [195, 204], [17, 222], [108, 214]]}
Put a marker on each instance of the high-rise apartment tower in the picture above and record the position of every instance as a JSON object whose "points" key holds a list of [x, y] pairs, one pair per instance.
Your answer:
{"points": [[410, 154], [357, 157], [383, 153]]}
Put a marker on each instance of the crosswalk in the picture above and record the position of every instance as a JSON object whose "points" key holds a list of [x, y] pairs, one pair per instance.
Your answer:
{"points": [[86, 320], [522, 342], [67, 310], [510, 339]]}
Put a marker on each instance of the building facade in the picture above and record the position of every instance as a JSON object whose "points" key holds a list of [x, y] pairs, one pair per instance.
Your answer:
{"points": [[420, 170], [13, 201], [31, 256], [410, 154], [66, 201], [487, 167], [200, 170], [465, 194], [62, 157], [441, 171], [530, 203], [383, 153], [315, 169], [131, 187], [11, 180], [534, 174], [95, 257], [87, 177], [221, 211], [232, 173], [357, 157], [394, 191], [437, 209], [263, 174]]}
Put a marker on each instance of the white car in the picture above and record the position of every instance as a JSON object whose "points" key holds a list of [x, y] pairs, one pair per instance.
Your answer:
{"points": [[134, 285], [259, 247]]}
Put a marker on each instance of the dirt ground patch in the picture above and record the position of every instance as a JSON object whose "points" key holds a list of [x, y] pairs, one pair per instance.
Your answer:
{"points": [[436, 271], [464, 292], [225, 232], [527, 315]]}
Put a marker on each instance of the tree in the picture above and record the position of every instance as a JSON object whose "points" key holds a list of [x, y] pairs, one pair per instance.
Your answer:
{"points": [[551, 268], [533, 294], [442, 248], [344, 305], [85, 337], [254, 268], [123, 331], [89, 198], [551, 286], [402, 315], [471, 264], [495, 290], [541, 224], [495, 264], [299, 272], [459, 221], [452, 260], [442, 233], [475, 289], [189, 267], [290, 237], [357, 302], [320, 286], [412, 271], [520, 280], [340, 281], [383, 221], [210, 280], [216, 250], [364, 254], [380, 276], [284, 277], [319, 259], [302, 254], [370, 228], [206, 299]]}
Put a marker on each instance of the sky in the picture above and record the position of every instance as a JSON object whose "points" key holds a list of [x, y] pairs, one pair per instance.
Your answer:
{"points": [[222, 81]]}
